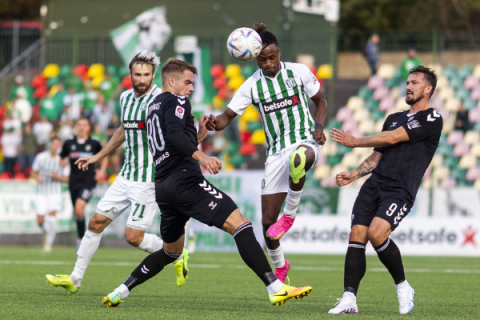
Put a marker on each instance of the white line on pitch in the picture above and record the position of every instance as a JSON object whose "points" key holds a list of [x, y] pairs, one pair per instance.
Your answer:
{"points": [[236, 266]]}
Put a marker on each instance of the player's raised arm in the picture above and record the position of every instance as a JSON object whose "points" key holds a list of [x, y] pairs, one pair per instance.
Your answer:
{"points": [[379, 140], [220, 122], [366, 167], [117, 139]]}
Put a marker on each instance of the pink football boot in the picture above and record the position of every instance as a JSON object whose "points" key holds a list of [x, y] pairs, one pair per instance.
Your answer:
{"points": [[281, 273], [279, 228]]}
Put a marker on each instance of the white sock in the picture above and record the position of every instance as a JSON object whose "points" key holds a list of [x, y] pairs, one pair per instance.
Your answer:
{"points": [[87, 249], [277, 257], [123, 290], [51, 229], [151, 243], [402, 285], [275, 287], [291, 202]]}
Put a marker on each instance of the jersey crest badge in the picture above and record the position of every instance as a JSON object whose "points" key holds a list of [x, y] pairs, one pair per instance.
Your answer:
{"points": [[179, 112], [88, 147], [290, 82], [143, 106]]}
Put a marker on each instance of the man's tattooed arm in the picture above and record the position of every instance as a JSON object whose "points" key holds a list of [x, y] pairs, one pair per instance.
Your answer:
{"points": [[368, 165]]}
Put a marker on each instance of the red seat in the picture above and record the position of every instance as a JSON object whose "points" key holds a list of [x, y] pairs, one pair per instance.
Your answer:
{"points": [[20, 176], [247, 149], [5, 176]]}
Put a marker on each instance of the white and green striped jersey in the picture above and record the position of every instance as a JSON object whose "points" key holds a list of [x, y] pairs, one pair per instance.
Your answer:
{"points": [[138, 164], [283, 103], [46, 165]]}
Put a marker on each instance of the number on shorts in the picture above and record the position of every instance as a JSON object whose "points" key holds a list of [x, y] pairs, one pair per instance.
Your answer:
{"points": [[391, 209], [156, 142], [137, 205]]}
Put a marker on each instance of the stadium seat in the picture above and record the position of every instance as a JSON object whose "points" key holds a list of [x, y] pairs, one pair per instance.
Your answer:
{"points": [[453, 104], [437, 161], [401, 105], [360, 115], [437, 67], [467, 161], [465, 71], [476, 71], [321, 172], [442, 83], [343, 114], [475, 150], [436, 102], [333, 160], [325, 71], [448, 183], [460, 149], [469, 104], [455, 137], [462, 93], [247, 148], [355, 103], [375, 82], [456, 83], [380, 93], [20, 176], [328, 182], [387, 103], [440, 173], [471, 82], [473, 174], [446, 93], [349, 126], [258, 137], [475, 94], [386, 71], [449, 71], [394, 93], [5, 176], [366, 126], [471, 137], [350, 160], [330, 148]]}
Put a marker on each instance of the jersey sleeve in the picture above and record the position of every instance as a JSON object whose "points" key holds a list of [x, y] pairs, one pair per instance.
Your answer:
{"points": [[381, 150], [310, 82], [424, 126], [98, 147], [64, 152], [242, 98], [176, 110]]}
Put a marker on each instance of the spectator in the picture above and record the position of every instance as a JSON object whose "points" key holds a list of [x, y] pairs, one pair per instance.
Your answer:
{"points": [[22, 90], [11, 145], [12, 122], [66, 124], [372, 53], [411, 61], [75, 102], [462, 122], [23, 106], [29, 148], [102, 114], [42, 130]]}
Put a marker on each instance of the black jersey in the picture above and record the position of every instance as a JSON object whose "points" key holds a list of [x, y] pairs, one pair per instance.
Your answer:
{"points": [[168, 115], [76, 150], [403, 165]]}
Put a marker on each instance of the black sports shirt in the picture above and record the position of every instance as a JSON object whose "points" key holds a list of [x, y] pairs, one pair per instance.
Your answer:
{"points": [[76, 150], [403, 165], [172, 136]]}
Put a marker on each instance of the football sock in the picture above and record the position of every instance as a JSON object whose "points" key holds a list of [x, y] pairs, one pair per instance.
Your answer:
{"points": [[355, 266], [81, 228], [389, 254], [151, 243], [87, 249], [276, 255], [150, 267], [252, 254], [291, 203], [51, 229]]}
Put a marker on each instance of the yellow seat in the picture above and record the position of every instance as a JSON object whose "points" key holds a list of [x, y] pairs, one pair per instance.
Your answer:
{"points": [[395, 93], [437, 67], [361, 114], [355, 103], [51, 70], [471, 137], [467, 161], [250, 114], [442, 83], [475, 150], [337, 169], [325, 71], [477, 184], [379, 125], [440, 173], [366, 126], [350, 160], [437, 161], [258, 137], [448, 125], [453, 104], [330, 148], [321, 172], [446, 93], [401, 105], [233, 70], [235, 82], [96, 70], [476, 71], [386, 71]]}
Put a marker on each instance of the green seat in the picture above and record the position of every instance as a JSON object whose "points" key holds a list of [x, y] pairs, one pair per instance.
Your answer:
{"points": [[377, 115], [371, 105], [111, 70], [65, 71], [237, 160], [462, 93], [469, 104], [458, 174], [334, 160], [334, 124], [253, 126], [392, 82], [449, 71], [477, 127], [53, 81], [233, 148], [365, 93], [456, 83], [451, 162], [122, 72], [465, 71], [247, 71], [444, 149], [342, 150]]}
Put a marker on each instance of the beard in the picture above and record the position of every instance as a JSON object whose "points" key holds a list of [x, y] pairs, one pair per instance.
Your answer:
{"points": [[142, 90], [411, 101]]}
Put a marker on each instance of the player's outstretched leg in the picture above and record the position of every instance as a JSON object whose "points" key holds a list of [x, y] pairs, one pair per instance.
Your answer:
{"points": [[301, 160], [148, 268], [253, 256]]}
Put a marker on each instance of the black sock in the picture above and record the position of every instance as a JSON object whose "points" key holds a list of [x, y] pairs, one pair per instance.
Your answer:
{"points": [[150, 267], [355, 266], [81, 228], [390, 256], [252, 254]]}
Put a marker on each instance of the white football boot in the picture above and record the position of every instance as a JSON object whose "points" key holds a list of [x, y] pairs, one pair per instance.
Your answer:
{"points": [[348, 304], [405, 295]]}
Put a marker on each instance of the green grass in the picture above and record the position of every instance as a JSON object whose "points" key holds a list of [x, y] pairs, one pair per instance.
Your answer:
{"points": [[220, 287]]}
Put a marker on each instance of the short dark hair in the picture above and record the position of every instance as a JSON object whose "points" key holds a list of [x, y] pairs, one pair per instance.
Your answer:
{"points": [[84, 118], [429, 75], [176, 66], [267, 37], [55, 138]]}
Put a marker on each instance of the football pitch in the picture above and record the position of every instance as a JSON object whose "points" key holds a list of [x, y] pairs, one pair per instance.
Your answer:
{"points": [[220, 286]]}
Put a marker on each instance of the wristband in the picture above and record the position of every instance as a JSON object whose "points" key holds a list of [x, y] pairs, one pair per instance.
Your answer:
{"points": [[319, 126]]}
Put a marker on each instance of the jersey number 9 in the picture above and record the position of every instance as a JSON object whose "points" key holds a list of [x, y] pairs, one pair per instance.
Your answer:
{"points": [[155, 138]]}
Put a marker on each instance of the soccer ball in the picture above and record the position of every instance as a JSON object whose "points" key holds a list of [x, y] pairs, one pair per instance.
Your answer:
{"points": [[244, 44]]}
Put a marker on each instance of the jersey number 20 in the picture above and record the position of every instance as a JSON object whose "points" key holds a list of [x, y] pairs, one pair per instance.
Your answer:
{"points": [[155, 136]]}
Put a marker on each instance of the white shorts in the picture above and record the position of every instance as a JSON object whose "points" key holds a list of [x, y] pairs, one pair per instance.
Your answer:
{"points": [[46, 203], [277, 168], [139, 196]]}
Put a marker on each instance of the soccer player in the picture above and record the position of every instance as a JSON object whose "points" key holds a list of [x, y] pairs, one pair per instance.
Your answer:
{"points": [[182, 192], [81, 184], [401, 155], [49, 174], [133, 188], [280, 91]]}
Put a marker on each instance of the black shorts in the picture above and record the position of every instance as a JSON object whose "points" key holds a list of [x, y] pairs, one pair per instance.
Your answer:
{"points": [[81, 191], [374, 201], [187, 194]]}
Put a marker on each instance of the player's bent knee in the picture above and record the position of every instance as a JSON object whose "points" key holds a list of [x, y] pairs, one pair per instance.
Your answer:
{"points": [[377, 236], [134, 237], [234, 220], [298, 160], [98, 222]]}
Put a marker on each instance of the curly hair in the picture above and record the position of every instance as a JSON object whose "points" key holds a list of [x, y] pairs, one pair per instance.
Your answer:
{"points": [[429, 75], [267, 37]]}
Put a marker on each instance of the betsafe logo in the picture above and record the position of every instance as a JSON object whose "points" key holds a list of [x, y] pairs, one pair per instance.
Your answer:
{"points": [[280, 104], [134, 125]]}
